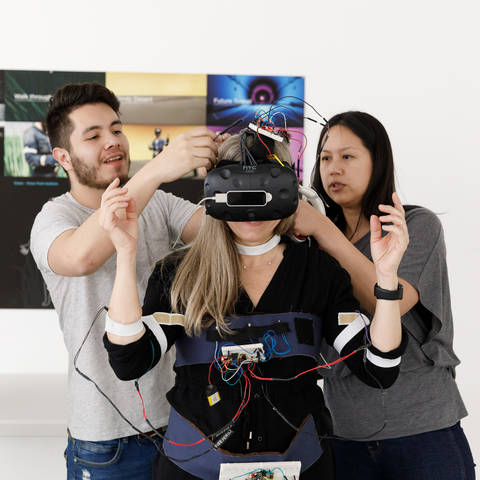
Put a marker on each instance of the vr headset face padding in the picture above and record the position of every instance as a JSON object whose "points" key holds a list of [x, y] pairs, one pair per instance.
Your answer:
{"points": [[242, 193]]}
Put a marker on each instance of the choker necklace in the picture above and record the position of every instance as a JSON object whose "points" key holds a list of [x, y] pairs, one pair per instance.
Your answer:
{"points": [[258, 249]]}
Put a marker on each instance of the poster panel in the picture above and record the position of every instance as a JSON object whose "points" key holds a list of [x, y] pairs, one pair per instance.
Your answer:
{"points": [[251, 98], [154, 109], [152, 98], [230, 97], [27, 93], [21, 284]]}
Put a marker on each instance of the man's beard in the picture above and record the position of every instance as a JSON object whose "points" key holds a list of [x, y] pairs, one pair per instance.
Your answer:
{"points": [[87, 175]]}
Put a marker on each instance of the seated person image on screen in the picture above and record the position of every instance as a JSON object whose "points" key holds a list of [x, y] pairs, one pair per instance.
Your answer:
{"points": [[247, 309], [158, 143], [38, 152]]}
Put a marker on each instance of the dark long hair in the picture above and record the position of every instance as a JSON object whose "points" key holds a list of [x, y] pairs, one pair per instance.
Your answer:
{"points": [[382, 182]]}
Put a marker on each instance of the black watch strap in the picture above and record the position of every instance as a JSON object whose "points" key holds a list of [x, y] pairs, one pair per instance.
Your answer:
{"points": [[383, 294]]}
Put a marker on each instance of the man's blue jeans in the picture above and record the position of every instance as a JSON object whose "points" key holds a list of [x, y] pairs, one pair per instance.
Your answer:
{"points": [[128, 458], [438, 455]]}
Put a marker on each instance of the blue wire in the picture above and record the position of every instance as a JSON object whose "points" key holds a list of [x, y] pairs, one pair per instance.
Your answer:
{"points": [[365, 327], [153, 355], [268, 336], [281, 471], [259, 470], [270, 342], [239, 373], [288, 345]]}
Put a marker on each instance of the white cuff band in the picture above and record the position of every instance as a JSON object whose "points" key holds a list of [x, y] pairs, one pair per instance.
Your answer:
{"points": [[382, 362], [349, 332], [157, 330], [122, 329]]}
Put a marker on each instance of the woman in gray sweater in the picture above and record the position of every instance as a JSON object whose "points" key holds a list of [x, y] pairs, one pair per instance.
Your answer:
{"points": [[411, 430]]}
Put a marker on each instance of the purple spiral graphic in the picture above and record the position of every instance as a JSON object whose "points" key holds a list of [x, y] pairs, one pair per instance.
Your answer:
{"points": [[263, 94]]}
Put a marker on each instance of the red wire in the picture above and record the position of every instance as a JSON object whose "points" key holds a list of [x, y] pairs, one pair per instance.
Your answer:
{"points": [[240, 408], [258, 135], [248, 388], [306, 142], [170, 441], [210, 369], [269, 125], [244, 403], [290, 138], [306, 371], [287, 131], [327, 364], [186, 444], [143, 405]]}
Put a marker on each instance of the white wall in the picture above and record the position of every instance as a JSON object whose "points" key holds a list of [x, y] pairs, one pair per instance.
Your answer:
{"points": [[413, 64]]}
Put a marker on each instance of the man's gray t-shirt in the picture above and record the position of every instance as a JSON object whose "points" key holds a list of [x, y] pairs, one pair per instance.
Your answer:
{"points": [[425, 396], [78, 299]]}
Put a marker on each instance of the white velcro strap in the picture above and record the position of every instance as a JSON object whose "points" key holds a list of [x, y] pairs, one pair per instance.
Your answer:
{"points": [[123, 329], [382, 362], [157, 330], [349, 332]]}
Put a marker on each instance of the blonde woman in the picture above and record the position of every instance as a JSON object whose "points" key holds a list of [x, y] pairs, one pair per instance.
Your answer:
{"points": [[243, 283]]}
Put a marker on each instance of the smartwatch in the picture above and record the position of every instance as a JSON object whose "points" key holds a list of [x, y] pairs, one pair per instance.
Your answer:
{"points": [[383, 294]]}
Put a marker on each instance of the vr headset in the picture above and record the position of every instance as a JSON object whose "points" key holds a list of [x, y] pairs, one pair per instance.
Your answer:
{"points": [[259, 187]]}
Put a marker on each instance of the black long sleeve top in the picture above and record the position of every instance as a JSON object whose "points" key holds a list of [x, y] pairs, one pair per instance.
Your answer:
{"points": [[307, 280]]}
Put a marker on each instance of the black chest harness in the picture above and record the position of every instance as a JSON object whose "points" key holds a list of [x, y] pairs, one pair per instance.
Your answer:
{"points": [[303, 333]]}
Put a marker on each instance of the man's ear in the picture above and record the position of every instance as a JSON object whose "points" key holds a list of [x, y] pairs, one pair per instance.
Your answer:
{"points": [[62, 156]]}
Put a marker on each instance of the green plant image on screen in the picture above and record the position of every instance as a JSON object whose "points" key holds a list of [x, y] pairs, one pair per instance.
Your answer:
{"points": [[14, 161]]}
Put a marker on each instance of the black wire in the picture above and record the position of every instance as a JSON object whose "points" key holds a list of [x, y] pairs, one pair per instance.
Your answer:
{"points": [[162, 452], [210, 437], [290, 379], [331, 436], [277, 107], [360, 215], [229, 127], [142, 434], [246, 152], [86, 377], [306, 103], [222, 429]]}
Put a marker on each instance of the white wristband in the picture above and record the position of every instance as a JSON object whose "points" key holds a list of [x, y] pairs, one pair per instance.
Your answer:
{"points": [[123, 329]]}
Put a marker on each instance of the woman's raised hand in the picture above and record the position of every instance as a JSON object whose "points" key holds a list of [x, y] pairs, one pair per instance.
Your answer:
{"points": [[118, 217], [387, 251]]}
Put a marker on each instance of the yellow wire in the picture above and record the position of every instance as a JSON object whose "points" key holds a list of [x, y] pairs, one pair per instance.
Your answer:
{"points": [[274, 157]]}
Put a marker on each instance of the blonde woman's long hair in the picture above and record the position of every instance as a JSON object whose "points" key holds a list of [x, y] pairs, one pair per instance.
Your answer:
{"points": [[207, 285]]}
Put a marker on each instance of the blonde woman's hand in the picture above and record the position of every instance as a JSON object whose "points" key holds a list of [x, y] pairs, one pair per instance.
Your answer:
{"points": [[118, 217], [387, 251]]}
